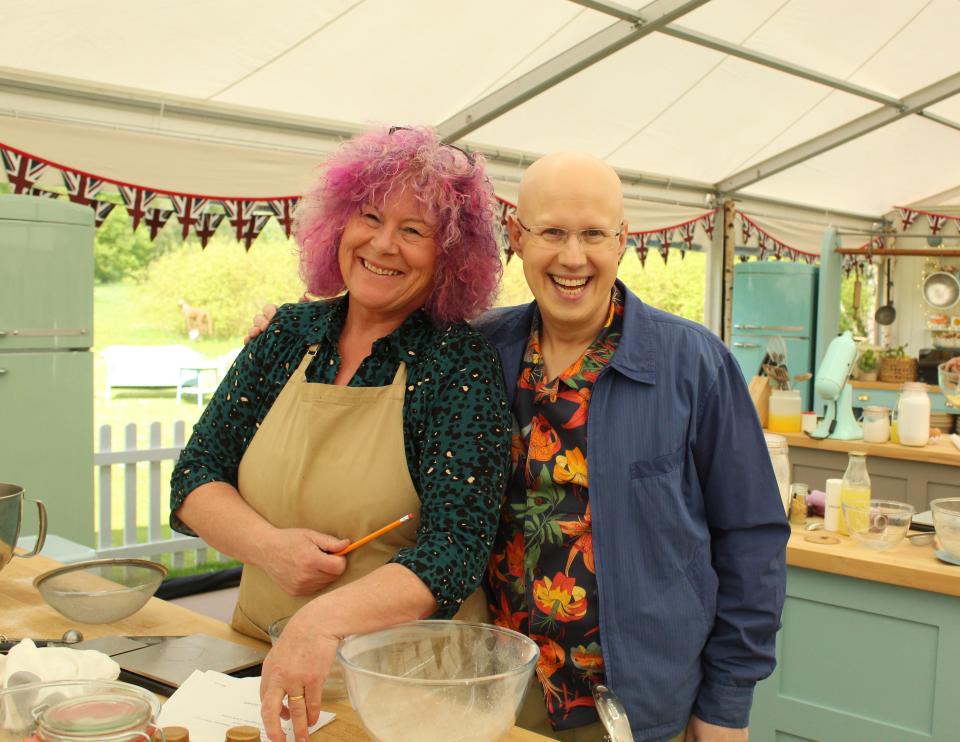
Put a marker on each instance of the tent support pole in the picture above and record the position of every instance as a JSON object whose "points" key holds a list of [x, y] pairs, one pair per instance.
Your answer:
{"points": [[729, 257]]}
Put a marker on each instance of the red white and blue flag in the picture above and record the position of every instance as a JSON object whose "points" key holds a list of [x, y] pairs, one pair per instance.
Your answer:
{"points": [[81, 188], [137, 201], [206, 227], [283, 209], [22, 170], [240, 213], [101, 210], [255, 225], [188, 210], [155, 219]]}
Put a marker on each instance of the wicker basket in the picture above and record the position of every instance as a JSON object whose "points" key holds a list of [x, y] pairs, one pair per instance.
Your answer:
{"points": [[898, 370]]}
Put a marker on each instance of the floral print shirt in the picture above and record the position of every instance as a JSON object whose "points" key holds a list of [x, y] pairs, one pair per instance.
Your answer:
{"points": [[542, 574]]}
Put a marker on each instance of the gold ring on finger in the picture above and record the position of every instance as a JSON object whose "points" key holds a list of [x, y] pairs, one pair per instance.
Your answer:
{"points": [[295, 698]]}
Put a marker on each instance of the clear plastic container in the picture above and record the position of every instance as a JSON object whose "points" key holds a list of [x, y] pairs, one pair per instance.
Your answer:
{"points": [[855, 487], [913, 418], [780, 458], [876, 424], [784, 411]]}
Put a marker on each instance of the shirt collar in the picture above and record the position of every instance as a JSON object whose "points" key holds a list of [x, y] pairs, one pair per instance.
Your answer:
{"points": [[404, 342], [635, 356]]}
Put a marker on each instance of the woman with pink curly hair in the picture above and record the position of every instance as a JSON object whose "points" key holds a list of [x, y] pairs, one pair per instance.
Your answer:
{"points": [[352, 411]]}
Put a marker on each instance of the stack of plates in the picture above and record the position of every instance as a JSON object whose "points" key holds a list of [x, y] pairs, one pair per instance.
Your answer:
{"points": [[942, 420]]}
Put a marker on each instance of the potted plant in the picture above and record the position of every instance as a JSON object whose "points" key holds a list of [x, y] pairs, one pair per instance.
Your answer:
{"points": [[896, 366], [867, 365]]}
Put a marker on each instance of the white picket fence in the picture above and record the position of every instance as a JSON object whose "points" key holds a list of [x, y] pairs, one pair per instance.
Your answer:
{"points": [[128, 499]]}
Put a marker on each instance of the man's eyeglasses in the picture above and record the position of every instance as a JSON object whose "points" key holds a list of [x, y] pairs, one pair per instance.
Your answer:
{"points": [[590, 238], [468, 155]]}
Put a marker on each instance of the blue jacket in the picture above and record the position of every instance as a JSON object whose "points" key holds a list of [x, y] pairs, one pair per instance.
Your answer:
{"points": [[689, 533]]}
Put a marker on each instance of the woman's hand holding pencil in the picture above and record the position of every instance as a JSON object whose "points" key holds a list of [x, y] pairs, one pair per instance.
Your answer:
{"points": [[376, 534]]}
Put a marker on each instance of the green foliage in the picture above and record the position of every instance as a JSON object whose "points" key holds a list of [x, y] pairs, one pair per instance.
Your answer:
{"points": [[856, 321], [868, 361], [899, 351], [120, 253], [232, 284]]}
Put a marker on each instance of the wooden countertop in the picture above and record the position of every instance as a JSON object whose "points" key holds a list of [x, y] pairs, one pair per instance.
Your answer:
{"points": [[888, 386], [25, 614], [905, 565], [941, 452]]}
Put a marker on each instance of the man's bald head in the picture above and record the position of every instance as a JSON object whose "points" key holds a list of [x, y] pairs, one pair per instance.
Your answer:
{"points": [[557, 180]]}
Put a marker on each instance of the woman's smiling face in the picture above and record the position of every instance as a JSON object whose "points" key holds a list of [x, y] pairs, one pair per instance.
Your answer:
{"points": [[387, 256]]}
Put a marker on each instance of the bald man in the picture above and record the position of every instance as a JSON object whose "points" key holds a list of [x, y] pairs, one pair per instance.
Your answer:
{"points": [[642, 538], [642, 541]]}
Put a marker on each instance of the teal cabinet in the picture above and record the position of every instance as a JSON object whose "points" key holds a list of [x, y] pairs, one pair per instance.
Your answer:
{"points": [[888, 398], [861, 661]]}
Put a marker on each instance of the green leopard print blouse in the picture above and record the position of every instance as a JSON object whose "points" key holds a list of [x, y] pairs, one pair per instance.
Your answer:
{"points": [[456, 425]]}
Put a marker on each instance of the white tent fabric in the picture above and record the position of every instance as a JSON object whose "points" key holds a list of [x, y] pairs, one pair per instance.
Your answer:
{"points": [[690, 115]]}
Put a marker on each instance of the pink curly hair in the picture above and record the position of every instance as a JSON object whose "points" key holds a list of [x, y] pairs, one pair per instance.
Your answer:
{"points": [[453, 191]]}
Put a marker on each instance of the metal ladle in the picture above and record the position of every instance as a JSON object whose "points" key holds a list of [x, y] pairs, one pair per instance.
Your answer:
{"points": [[886, 314]]}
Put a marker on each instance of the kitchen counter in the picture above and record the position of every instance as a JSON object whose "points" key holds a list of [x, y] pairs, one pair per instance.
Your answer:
{"points": [[941, 452], [867, 648], [25, 614], [910, 474]]}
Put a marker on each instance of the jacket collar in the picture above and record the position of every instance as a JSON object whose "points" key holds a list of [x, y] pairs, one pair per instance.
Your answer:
{"points": [[636, 353]]}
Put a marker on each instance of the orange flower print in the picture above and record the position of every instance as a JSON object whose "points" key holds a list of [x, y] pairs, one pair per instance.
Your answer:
{"points": [[582, 530], [552, 658], [503, 616], [560, 598], [544, 442], [581, 398], [588, 659], [571, 468], [515, 555]]}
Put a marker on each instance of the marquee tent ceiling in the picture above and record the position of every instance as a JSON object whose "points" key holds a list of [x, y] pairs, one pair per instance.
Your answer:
{"points": [[279, 75]]}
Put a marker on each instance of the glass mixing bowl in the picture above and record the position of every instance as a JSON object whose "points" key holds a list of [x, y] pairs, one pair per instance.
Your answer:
{"points": [[102, 590], [949, 383], [438, 680], [946, 521], [880, 525]]}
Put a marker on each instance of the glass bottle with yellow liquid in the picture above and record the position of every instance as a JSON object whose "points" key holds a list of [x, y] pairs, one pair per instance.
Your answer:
{"points": [[855, 487]]}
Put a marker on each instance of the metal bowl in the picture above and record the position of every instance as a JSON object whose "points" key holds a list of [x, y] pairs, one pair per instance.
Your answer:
{"points": [[438, 680], [941, 290], [102, 590]]}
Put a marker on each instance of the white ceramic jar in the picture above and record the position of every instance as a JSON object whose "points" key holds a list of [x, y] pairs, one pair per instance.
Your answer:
{"points": [[876, 424], [779, 457], [913, 414]]}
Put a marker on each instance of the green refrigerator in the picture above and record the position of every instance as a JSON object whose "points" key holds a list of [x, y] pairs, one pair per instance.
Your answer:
{"points": [[46, 367]]}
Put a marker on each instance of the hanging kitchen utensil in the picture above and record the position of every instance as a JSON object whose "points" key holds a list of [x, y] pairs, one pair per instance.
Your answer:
{"points": [[887, 314], [941, 290], [856, 293]]}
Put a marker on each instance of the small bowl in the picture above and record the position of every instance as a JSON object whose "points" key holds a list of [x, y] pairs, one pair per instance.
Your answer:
{"points": [[102, 590], [880, 525], [438, 680], [335, 686], [946, 520]]}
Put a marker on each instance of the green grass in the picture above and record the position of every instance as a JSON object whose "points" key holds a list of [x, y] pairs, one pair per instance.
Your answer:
{"points": [[118, 320]]}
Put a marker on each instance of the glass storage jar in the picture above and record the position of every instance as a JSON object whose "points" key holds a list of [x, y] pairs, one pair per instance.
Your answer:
{"points": [[876, 424], [104, 718], [913, 414], [780, 458]]}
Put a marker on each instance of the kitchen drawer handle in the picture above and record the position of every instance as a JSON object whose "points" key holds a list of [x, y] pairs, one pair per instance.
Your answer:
{"points": [[746, 327], [745, 345], [863, 398]]}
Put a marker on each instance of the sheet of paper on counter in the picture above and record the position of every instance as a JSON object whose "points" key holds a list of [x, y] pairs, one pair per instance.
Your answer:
{"points": [[209, 703]]}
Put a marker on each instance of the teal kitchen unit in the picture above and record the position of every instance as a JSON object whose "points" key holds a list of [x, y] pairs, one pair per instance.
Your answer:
{"points": [[868, 650], [46, 367], [775, 299]]}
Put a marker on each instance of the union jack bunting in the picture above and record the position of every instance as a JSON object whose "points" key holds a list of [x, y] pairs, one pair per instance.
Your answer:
{"points": [[206, 227], [254, 226], [746, 229], [707, 223], [240, 213], [188, 210], [155, 219], [762, 244], [136, 201], [22, 171], [43, 193], [81, 188], [101, 210], [907, 217], [686, 236], [283, 209], [666, 237], [936, 222], [641, 249]]}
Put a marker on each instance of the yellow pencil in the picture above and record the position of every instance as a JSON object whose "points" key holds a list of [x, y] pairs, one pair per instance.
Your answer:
{"points": [[376, 534]]}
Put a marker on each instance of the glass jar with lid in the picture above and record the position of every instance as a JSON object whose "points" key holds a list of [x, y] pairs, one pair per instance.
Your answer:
{"points": [[876, 424], [105, 718], [780, 458], [913, 414]]}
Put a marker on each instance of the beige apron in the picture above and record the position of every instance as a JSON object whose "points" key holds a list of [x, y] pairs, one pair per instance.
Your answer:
{"points": [[332, 459]]}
